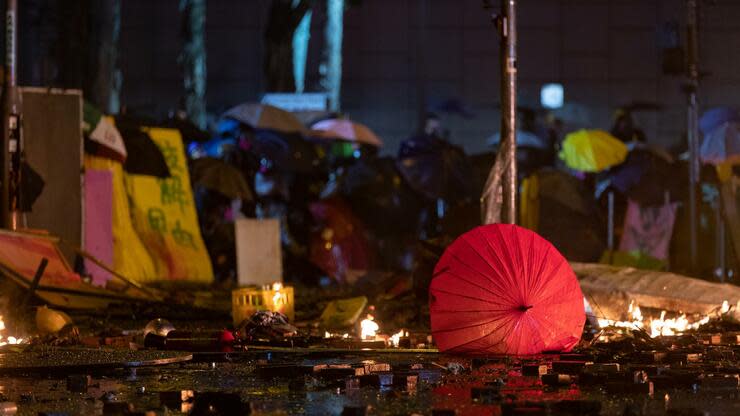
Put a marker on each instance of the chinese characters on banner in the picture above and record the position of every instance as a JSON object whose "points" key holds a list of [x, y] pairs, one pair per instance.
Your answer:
{"points": [[165, 216]]}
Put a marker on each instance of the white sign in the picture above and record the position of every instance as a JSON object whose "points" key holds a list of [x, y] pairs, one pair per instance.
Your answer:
{"points": [[258, 252], [314, 101]]}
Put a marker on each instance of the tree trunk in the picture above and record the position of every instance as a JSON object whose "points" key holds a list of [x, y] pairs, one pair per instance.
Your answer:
{"points": [[282, 22], [193, 59], [104, 86], [331, 66]]}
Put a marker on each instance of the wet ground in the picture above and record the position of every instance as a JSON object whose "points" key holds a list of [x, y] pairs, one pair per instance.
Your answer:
{"points": [[394, 383]]}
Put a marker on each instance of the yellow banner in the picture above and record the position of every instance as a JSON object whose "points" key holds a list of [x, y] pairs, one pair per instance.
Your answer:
{"points": [[163, 210]]}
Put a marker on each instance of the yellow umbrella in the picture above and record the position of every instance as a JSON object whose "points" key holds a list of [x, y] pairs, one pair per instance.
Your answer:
{"points": [[592, 150]]}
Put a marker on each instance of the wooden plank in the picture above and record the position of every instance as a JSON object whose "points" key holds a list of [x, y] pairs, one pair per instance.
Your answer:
{"points": [[610, 289], [730, 196], [52, 129]]}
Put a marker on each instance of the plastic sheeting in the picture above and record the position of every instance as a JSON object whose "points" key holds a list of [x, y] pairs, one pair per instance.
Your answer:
{"points": [[130, 257]]}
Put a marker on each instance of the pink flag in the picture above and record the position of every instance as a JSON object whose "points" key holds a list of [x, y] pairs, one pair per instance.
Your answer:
{"points": [[648, 229], [99, 222]]}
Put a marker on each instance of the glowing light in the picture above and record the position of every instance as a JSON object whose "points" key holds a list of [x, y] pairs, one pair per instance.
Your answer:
{"points": [[277, 287], [552, 96], [674, 326], [725, 307], [9, 340], [395, 339], [634, 312], [661, 326], [368, 328]]}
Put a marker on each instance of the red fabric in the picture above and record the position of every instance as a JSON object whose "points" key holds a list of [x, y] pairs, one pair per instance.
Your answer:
{"points": [[338, 246], [503, 289]]}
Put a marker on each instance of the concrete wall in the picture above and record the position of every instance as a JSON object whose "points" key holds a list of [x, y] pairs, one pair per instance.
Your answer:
{"points": [[605, 52]]}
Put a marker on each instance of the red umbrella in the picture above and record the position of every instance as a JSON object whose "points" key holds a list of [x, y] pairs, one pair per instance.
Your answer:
{"points": [[502, 289]]}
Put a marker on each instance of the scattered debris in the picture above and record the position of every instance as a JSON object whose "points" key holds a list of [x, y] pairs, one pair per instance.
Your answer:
{"points": [[50, 321]]}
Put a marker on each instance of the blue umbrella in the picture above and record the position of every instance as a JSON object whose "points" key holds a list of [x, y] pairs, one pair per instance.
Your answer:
{"points": [[435, 168], [716, 117], [722, 144], [523, 139]]}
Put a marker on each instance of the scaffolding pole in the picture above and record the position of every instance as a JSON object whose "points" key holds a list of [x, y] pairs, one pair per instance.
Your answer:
{"points": [[498, 202], [508, 108], [12, 143], [692, 124]]}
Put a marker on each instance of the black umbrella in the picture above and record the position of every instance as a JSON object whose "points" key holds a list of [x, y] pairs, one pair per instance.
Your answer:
{"points": [[134, 121], [217, 175], [32, 184], [373, 186], [568, 216], [144, 156], [189, 131], [454, 106], [565, 189], [645, 177], [284, 152], [435, 168]]}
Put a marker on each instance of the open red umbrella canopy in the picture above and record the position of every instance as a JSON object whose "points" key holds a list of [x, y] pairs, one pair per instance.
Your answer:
{"points": [[502, 289]]}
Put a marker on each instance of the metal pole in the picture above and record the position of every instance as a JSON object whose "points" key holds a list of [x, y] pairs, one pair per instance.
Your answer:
{"points": [[11, 123], [508, 107], [610, 225], [719, 233], [693, 126]]}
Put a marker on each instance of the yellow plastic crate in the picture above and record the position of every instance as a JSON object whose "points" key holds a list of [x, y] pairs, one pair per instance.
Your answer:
{"points": [[248, 300]]}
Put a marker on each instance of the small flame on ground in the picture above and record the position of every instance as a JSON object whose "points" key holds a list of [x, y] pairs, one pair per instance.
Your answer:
{"points": [[328, 334], [660, 326], [369, 328], [725, 307], [9, 340], [395, 339]]}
